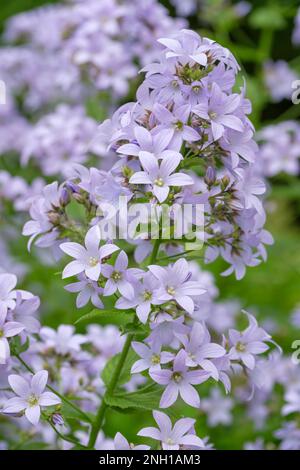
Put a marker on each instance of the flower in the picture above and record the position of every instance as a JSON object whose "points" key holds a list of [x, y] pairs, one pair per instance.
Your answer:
{"points": [[218, 408], [151, 357], [88, 290], [7, 330], [199, 349], [88, 259], [31, 396], [7, 293], [175, 284], [63, 341], [179, 381], [145, 295], [245, 345], [118, 277], [159, 176], [171, 438], [120, 443], [218, 109]]}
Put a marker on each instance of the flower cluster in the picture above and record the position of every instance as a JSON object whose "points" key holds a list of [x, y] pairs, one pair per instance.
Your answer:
{"points": [[187, 139]]}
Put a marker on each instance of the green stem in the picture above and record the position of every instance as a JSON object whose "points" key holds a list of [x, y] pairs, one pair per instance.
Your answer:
{"points": [[110, 390], [155, 251], [62, 397]]}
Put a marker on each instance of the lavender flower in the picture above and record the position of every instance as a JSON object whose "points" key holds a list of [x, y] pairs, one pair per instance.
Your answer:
{"points": [[179, 381], [30, 396], [172, 438], [88, 259]]}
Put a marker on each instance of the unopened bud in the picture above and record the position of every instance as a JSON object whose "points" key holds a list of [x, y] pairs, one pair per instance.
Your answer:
{"points": [[54, 218], [57, 419], [225, 182], [64, 197], [210, 176]]}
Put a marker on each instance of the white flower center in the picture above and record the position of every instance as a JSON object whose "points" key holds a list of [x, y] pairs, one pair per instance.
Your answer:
{"points": [[177, 377], [171, 290], [33, 400], [170, 442], [241, 347], [159, 182], [155, 359], [93, 261], [116, 276], [212, 114], [147, 295]]}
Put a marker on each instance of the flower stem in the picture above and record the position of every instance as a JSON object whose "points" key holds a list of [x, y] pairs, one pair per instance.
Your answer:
{"points": [[110, 389], [62, 397], [155, 250]]}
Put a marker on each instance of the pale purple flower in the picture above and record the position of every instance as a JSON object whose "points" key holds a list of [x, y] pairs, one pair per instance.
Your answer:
{"points": [[63, 341], [160, 177], [218, 109], [30, 396], [151, 357], [118, 277], [8, 283], [176, 123], [121, 443], [247, 344], [155, 144], [88, 290], [179, 381], [218, 408], [292, 398], [189, 51], [88, 259], [7, 330], [200, 350], [289, 436], [175, 284], [165, 330], [279, 77], [172, 437], [24, 311], [145, 295]]}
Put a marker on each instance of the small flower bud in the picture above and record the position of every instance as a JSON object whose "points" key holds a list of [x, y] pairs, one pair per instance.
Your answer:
{"points": [[210, 176], [65, 197], [57, 419]]}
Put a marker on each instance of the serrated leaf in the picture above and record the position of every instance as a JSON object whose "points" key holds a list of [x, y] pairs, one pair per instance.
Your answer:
{"points": [[125, 374], [114, 316]]}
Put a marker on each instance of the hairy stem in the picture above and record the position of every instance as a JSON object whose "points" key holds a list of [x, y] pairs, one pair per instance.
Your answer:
{"points": [[110, 389]]}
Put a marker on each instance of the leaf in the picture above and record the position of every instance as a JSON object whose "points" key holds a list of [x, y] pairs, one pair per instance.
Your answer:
{"points": [[137, 330], [142, 399], [267, 17], [70, 413], [16, 347], [125, 373], [114, 316]]}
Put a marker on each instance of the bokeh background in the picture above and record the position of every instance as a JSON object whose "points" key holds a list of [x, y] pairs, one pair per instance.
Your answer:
{"points": [[257, 32]]}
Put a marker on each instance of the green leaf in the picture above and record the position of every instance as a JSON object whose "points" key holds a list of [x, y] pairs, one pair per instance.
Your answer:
{"points": [[70, 413], [146, 399], [114, 316], [16, 347], [267, 17], [137, 330], [125, 374]]}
